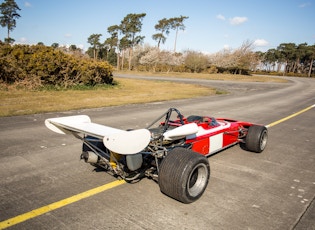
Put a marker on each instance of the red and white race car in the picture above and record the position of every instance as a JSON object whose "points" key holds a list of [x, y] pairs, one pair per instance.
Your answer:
{"points": [[172, 150]]}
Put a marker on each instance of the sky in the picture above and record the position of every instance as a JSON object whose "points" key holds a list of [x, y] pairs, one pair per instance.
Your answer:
{"points": [[212, 26]]}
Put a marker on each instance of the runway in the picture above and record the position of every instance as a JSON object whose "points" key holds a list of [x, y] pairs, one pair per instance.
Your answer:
{"points": [[272, 190]]}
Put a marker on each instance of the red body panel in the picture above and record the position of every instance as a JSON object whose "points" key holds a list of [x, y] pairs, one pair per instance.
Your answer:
{"points": [[210, 140]]}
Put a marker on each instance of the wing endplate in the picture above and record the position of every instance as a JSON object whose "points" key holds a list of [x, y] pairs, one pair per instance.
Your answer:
{"points": [[130, 142]]}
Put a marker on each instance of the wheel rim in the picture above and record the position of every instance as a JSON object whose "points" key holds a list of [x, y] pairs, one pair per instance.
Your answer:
{"points": [[263, 140], [197, 180]]}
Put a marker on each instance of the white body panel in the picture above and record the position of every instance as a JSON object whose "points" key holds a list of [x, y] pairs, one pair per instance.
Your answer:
{"points": [[202, 131], [181, 132], [216, 143]]}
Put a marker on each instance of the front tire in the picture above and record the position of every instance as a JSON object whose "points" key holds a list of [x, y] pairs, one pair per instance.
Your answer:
{"points": [[256, 138], [184, 175]]}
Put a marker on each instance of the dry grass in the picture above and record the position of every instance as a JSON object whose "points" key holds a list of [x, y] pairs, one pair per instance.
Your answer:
{"points": [[21, 102], [129, 91], [221, 77]]}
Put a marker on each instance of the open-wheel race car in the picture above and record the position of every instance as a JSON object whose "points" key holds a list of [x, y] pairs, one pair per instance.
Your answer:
{"points": [[172, 150]]}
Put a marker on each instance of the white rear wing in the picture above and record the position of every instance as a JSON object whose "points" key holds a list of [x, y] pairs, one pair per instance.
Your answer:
{"points": [[116, 140]]}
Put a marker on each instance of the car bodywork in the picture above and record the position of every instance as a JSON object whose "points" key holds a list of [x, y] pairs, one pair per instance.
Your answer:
{"points": [[172, 150]]}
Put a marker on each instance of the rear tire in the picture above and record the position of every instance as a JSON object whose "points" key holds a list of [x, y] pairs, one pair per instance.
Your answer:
{"points": [[256, 138], [184, 175]]}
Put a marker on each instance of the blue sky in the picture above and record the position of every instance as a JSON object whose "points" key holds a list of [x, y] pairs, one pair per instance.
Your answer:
{"points": [[212, 24]]}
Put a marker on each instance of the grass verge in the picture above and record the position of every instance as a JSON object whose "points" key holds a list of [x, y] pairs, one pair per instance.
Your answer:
{"points": [[221, 77], [128, 91]]}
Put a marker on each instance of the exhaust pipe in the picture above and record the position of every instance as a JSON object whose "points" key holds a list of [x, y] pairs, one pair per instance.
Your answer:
{"points": [[89, 157]]}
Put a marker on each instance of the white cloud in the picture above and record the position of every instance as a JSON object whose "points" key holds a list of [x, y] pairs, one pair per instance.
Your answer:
{"points": [[226, 47], [68, 35], [27, 4], [238, 20], [22, 40], [221, 17], [261, 42], [304, 4]]}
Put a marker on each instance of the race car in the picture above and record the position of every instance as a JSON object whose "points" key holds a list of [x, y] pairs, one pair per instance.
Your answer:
{"points": [[172, 150]]}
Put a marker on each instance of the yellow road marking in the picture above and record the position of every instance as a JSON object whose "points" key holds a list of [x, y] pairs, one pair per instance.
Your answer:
{"points": [[58, 204], [40, 211], [291, 116]]}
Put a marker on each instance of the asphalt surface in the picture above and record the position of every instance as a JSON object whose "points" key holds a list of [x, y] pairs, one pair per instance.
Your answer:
{"points": [[271, 190]]}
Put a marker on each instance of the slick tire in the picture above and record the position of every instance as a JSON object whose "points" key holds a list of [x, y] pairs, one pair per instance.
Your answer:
{"points": [[256, 139], [184, 175]]}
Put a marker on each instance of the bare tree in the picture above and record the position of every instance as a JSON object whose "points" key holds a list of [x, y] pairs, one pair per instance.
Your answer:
{"points": [[151, 58], [240, 60]]}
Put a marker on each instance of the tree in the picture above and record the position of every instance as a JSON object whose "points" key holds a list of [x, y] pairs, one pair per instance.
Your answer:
{"points": [[245, 58], [171, 60], [94, 40], [9, 13], [164, 27], [55, 45], [124, 45], [240, 60], [288, 52], [270, 59], [73, 48], [113, 41], [156, 60], [310, 54], [177, 24], [112, 57], [130, 26], [295, 58], [151, 58], [299, 54], [196, 61]]}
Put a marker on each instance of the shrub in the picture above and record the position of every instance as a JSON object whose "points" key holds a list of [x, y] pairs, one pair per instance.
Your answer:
{"points": [[41, 66]]}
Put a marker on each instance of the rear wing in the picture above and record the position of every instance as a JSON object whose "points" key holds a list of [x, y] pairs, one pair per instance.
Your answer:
{"points": [[116, 140]]}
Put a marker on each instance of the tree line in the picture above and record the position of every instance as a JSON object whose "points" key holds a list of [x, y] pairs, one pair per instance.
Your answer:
{"points": [[126, 36], [289, 58], [124, 49], [125, 44]]}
